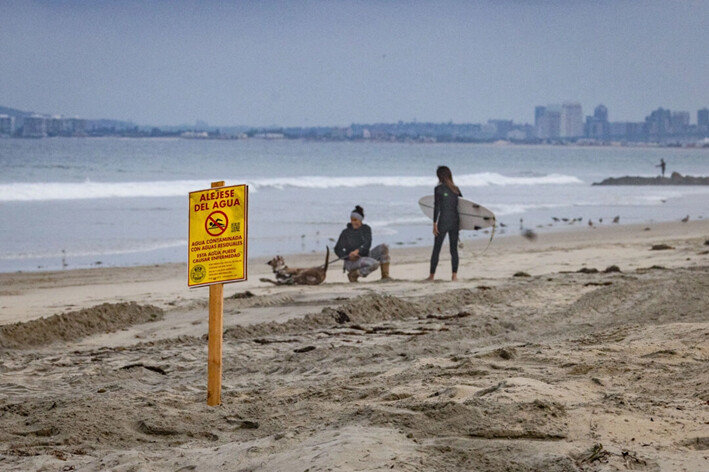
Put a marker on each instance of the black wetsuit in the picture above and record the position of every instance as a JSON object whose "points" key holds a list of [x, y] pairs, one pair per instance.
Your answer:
{"points": [[445, 213]]}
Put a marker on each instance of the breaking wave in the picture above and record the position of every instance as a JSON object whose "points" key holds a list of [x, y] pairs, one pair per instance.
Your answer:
{"points": [[38, 191]]}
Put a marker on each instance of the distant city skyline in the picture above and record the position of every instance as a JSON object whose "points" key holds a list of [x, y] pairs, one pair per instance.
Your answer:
{"points": [[696, 116], [319, 63], [552, 123]]}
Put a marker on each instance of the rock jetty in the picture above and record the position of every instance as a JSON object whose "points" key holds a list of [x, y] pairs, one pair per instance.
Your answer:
{"points": [[675, 179]]}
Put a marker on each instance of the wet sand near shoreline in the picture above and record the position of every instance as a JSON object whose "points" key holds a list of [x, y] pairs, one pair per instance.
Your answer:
{"points": [[542, 357]]}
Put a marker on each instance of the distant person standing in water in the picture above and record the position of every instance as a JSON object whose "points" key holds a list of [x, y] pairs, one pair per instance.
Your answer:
{"points": [[661, 165], [445, 219]]}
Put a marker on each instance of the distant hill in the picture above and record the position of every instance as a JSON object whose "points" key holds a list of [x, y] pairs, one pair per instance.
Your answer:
{"points": [[18, 114], [108, 123], [14, 112]]}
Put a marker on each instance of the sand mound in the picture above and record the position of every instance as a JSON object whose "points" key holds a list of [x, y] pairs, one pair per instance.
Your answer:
{"points": [[545, 373], [367, 309], [75, 325], [363, 309], [455, 299], [682, 298], [372, 308]]}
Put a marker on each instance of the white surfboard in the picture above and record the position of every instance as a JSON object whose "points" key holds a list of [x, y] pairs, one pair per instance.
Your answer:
{"points": [[472, 215]]}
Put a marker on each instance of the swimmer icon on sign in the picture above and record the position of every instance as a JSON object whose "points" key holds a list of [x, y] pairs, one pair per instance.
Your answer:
{"points": [[216, 223], [218, 236]]}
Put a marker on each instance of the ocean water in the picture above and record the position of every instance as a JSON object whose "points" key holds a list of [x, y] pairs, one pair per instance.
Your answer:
{"points": [[72, 202]]}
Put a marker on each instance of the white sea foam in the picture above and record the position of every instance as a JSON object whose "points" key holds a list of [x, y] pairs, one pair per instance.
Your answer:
{"points": [[491, 178], [42, 191], [88, 190], [466, 180], [399, 221], [502, 209]]}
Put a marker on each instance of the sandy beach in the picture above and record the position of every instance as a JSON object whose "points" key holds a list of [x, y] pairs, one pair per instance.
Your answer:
{"points": [[581, 350]]}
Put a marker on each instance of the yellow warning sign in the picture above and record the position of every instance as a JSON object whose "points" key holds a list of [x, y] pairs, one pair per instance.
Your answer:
{"points": [[217, 235]]}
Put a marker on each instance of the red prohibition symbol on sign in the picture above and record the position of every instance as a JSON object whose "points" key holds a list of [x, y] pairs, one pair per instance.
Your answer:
{"points": [[216, 223]]}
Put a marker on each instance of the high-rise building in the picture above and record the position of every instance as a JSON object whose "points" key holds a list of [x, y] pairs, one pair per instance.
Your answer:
{"points": [[54, 125], [7, 125], [538, 117], [597, 126], [34, 126], [703, 118], [538, 113], [679, 121], [547, 121], [658, 124], [601, 113], [571, 120]]}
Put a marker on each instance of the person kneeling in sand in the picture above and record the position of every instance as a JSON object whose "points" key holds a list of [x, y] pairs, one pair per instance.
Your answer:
{"points": [[354, 246]]}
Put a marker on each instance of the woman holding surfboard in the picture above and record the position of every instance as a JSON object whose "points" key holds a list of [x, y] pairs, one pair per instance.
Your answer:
{"points": [[445, 219]]}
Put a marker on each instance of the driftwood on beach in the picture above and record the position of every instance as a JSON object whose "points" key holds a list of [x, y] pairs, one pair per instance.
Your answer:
{"points": [[675, 179]]}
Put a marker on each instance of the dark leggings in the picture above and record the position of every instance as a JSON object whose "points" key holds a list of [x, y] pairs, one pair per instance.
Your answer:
{"points": [[438, 243]]}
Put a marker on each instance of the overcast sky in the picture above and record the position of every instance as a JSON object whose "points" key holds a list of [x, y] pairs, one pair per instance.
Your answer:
{"points": [[313, 63]]}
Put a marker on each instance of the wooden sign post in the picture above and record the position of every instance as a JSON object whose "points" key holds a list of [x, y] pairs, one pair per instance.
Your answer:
{"points": [[214, 343], [217, 255], [214, 349]]}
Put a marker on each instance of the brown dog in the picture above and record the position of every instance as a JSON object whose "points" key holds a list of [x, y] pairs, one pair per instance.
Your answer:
{"points": [[288, 276]]}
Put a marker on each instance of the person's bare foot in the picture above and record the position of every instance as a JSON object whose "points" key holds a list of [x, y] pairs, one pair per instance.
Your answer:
{"points": [[454, 278], [429, 278]]}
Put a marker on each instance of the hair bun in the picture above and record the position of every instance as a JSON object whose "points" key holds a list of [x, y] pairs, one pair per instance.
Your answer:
{"points": [[360, 210]]}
